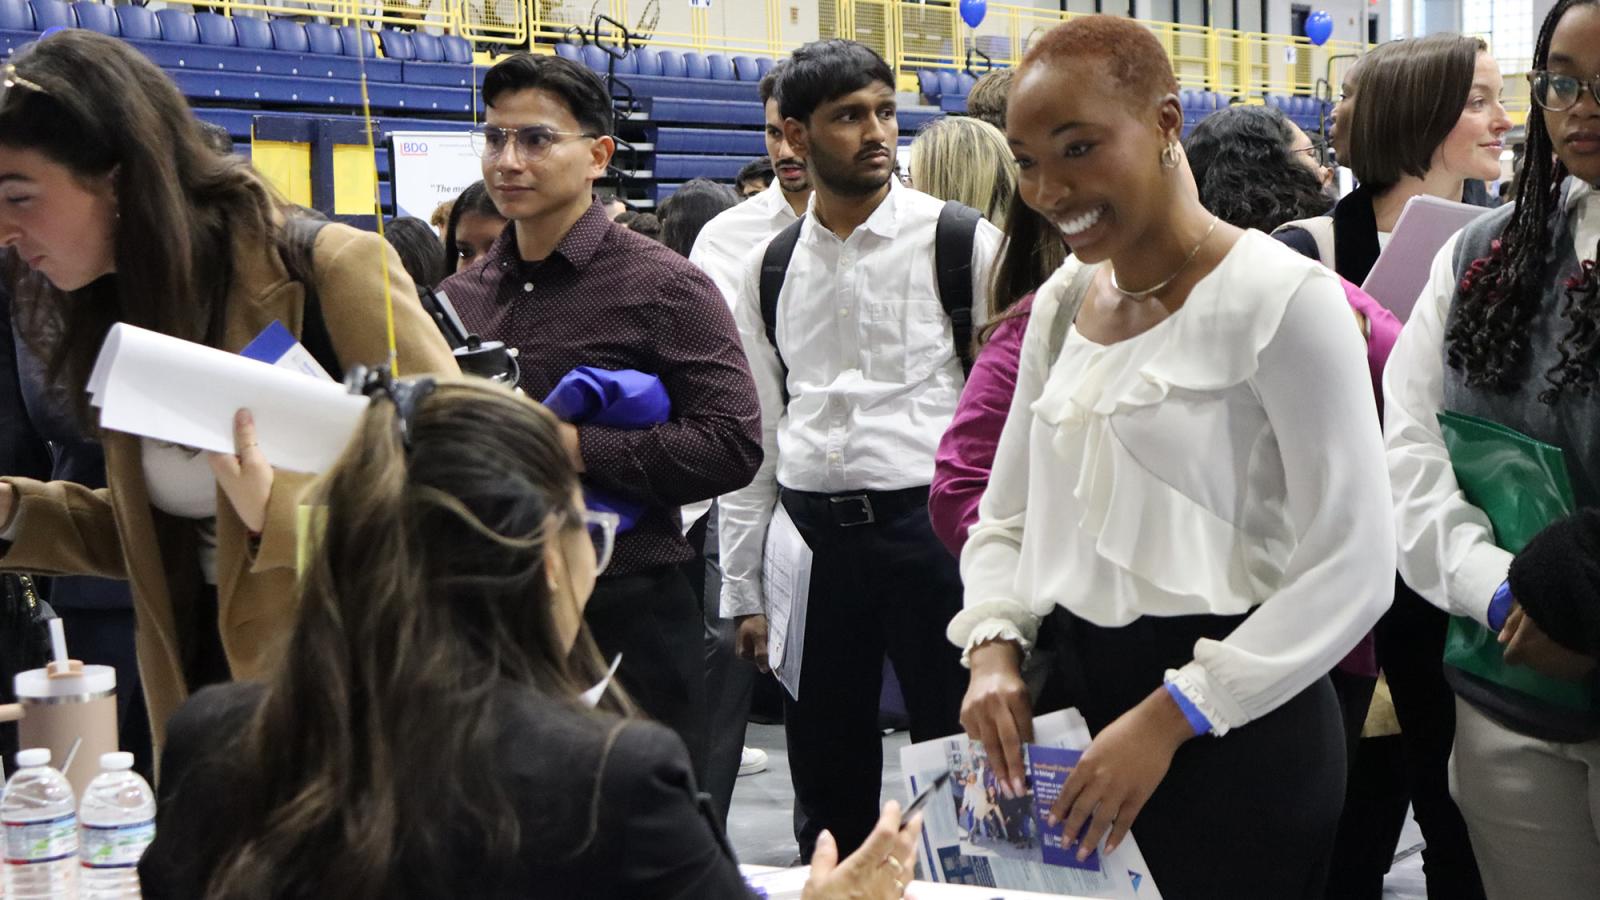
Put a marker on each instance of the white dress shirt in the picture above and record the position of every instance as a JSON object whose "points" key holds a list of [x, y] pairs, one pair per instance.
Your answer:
{"points": [[726, 240], [720, 249], [1447, 548], [873, 375], [1221, 461]]}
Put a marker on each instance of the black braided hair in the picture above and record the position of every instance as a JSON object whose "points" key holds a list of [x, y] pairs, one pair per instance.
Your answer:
{"points": [[1501, 293]]}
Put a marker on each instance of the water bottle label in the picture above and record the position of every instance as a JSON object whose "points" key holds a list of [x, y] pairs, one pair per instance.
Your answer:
{"points": [[47, 841], [116, 846]]}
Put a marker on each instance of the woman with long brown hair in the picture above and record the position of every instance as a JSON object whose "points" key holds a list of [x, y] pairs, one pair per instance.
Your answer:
{"points": [[114, 211], [424, 736]]}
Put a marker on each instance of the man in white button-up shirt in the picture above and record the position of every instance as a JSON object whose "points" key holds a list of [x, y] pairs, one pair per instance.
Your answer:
{"points": [[719, 250], [861, 385]]}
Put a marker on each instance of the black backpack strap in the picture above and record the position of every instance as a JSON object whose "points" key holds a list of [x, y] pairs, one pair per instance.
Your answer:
{"points": [[953, 240], [774, 268], [299, 241]]}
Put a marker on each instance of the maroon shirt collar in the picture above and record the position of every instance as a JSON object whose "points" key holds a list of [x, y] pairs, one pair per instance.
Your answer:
{"points": [[577, 246]]}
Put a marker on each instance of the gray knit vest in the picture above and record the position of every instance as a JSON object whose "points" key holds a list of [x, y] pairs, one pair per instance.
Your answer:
{"points": [[1573, 424]]}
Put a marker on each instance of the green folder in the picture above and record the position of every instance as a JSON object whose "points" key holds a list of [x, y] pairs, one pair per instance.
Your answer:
{"points": [[1522, 485]]}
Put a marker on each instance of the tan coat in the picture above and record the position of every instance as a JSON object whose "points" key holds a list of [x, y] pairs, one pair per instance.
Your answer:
{"points": [[66, 529]]}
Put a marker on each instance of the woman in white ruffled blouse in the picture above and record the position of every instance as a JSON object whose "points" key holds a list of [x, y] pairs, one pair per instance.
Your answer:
{"points": [[1188, 490]]}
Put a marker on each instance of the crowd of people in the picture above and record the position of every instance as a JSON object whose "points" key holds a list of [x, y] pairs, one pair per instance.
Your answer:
{"points": [[1074, 411]]}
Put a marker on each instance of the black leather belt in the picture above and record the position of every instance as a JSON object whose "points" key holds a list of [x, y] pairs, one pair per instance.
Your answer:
{"points": [[853, 509]]}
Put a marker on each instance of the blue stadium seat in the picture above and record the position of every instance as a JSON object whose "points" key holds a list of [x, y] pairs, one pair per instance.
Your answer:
{"points": [[594, 57], [348, 39], [323, 39], [253, 33], [289, 36], [628, 64], [97, 16], [17, 15], [765, 64], [567, 50], [746, 69], [948, 83], [649, 60], [928, 84], [138, 23], [397, 45], [672, 65], [427, 47], [53, 13], [695, 65], [721, 68], [964, 83], [456, 49], [177, 27], [215, 30]]}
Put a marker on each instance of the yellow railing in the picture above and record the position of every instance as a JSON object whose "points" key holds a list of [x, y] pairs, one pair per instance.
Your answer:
{"points": [[911, 35]]}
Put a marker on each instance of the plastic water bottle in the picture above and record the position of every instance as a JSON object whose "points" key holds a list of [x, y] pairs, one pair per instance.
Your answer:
{"points": [[40, 819], [117, 820]]}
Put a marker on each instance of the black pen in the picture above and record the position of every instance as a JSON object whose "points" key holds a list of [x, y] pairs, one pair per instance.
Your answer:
{"points": [[923, 798]]}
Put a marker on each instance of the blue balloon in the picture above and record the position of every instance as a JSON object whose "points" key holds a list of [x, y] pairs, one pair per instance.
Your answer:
{"points": [[1319, 27], [973, 11]]}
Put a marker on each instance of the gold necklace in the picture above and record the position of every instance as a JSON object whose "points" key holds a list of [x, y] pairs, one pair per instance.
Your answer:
{"points": [[1140, 295]]}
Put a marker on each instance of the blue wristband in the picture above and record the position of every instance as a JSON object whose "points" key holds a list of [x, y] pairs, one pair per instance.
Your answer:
{"points": [[1197, 719], [1500, 606]]}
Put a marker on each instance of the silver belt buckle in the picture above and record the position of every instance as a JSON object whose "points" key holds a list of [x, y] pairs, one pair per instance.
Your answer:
{"points": [[856, 509]]}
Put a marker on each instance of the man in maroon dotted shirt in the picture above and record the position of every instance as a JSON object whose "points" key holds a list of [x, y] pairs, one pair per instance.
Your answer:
{"points": [[568, 288]]}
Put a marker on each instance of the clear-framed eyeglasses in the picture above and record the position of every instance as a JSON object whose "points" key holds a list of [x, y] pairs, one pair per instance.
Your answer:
{"points": [[602, 528], [533, 142], [1559, 93]]}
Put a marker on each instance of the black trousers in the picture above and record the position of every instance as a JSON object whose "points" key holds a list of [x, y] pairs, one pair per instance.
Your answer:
{"points": [[653, 619], [1412, 768], [730, 681], [887, 586], [1248, 816]]}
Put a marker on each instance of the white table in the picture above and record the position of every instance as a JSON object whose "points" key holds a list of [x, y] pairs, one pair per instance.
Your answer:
{"points": [[792, 880]]}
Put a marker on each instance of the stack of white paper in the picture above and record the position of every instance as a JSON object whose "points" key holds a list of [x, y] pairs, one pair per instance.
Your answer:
{"points": [[160, 387]]}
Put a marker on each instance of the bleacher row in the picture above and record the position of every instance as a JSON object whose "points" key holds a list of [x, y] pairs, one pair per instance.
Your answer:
{"points": [[948, 90], [682, 115]]}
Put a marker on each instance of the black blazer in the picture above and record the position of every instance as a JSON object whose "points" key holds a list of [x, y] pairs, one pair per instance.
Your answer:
{"points": [[608, 807], [1355, 237]]}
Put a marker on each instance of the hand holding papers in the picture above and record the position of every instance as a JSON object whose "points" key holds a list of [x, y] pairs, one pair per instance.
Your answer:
{"points": [[786, 574], [979, 836], [160, 387]]}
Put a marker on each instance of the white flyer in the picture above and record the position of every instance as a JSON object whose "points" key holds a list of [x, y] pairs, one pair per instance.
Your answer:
{"points": [[786, 574], [973, 835]]}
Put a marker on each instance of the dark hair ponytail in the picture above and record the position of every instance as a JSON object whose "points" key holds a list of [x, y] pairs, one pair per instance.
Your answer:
{"points": [[1501, 293]]}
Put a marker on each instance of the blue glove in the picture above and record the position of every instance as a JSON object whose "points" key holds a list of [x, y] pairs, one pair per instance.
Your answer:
{"points": [[624, 399]]}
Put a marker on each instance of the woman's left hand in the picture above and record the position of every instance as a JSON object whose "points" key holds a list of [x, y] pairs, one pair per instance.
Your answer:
{"points": [[245, 475], [1120, 770]]}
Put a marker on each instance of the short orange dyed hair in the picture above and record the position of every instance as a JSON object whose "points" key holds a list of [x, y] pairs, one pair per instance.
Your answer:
{"points": [[1130, 51]]}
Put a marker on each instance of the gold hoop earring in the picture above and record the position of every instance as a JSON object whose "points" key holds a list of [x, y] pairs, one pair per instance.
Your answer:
{"points": [[1171, 155]]}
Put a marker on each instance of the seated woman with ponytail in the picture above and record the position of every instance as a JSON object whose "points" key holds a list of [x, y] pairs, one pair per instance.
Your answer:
{"points": [[1508, 330], [425, 735]]}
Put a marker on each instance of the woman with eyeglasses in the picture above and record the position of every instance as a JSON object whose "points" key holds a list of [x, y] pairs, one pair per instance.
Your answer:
{"points": [[427, 733], [1506, 331], [113, 210]]}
